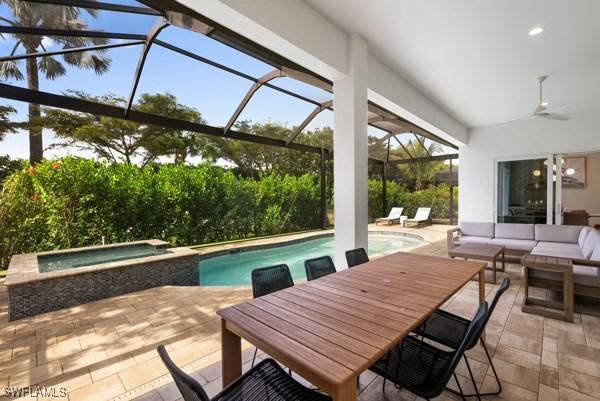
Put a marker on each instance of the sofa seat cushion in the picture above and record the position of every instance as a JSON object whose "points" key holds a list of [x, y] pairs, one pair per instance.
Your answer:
{"points": [[573, 252], [514, 231], [477, 229], [550, 233], [471, 239], [582, 275], [559, 245], [516, 244]]}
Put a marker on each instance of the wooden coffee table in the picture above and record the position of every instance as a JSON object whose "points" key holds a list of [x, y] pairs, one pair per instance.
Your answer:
{"points": [[485, 252]]}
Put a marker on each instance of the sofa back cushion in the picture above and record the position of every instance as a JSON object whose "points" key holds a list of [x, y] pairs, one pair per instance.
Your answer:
{"points": [[477, 229], [550, 233], [583, 235], [514, 231], [591, 246]]}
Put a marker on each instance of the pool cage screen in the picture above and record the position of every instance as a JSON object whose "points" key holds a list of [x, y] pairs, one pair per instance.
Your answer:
{"points": [[171, 13]]}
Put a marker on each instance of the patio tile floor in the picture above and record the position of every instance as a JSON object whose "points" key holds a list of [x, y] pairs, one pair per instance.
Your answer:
{"points": [[106, 350]]}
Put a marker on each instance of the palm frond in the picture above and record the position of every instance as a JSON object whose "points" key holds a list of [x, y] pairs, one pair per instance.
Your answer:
{"points": [[10, 70], [51, 67], [92, 60]]}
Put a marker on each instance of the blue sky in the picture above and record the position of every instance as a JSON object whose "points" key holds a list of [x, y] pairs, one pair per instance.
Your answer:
{"points": [[215, 93]]}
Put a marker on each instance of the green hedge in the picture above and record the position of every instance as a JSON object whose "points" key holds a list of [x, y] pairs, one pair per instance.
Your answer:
{"points": [[74, 202]]}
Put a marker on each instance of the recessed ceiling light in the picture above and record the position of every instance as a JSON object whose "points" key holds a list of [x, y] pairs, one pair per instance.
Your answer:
{"points": [[536, 31]]}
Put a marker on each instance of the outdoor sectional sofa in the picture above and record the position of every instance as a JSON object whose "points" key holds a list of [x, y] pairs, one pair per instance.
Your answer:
{"points": [[578, 243]]}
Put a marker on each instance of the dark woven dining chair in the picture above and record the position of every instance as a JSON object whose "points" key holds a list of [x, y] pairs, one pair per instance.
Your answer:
{"points": [[266, 280], [448, 329], [318, 267], [422, 368], [265, 381], [356, 257]]}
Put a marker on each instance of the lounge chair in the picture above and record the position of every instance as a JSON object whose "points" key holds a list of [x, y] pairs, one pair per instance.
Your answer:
{"points": [[422, 216], [395, 215]]}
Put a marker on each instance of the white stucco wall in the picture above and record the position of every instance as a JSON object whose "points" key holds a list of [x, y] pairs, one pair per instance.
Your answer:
{"points": [[529, 137]]}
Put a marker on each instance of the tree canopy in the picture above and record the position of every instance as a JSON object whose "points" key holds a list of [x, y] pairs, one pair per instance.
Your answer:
{"points": [[6, 125], [121, 140]]}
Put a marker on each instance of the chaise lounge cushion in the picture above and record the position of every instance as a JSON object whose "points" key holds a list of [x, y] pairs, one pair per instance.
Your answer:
{"points": [[471, 239], [514, 231], [477, 229], [582, 275], [549, 233], [516, 244]]}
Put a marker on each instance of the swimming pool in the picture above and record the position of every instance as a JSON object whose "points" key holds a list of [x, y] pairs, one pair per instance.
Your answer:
{"points": [[234, 268]]}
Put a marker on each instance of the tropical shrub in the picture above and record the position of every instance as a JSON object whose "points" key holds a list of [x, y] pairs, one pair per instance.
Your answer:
{"points": [[8, 166], [75, 202]]}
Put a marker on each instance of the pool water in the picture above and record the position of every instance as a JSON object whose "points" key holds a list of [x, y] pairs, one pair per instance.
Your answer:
{"points": [[235, 268], [89, 257]]}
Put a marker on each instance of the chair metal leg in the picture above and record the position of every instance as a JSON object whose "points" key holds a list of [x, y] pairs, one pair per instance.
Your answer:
{"points": [[473, 380], [487, 353], [460, 391], [477, 393], [254, 357]]}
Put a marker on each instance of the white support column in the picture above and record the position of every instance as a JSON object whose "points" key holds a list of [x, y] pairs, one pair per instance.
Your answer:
{"points": [[350, 153]]}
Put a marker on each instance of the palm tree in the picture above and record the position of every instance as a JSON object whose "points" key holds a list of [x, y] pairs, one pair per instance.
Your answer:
{"points": [[422, 171], [49, 16]]}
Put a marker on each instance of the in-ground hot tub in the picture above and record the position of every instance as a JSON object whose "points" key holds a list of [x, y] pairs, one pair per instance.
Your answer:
{"points": [[47, 281]]}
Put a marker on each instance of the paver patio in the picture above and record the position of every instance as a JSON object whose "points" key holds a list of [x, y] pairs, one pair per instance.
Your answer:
{"points": [[106, 350]]}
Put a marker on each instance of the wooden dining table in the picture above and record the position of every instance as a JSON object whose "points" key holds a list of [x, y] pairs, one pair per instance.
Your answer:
{"points": [[331, 329]]}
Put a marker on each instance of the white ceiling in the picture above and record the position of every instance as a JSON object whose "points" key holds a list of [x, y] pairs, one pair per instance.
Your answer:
{"points": [[475, 58]]}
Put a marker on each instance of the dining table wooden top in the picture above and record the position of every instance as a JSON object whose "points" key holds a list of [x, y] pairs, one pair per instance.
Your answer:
{"points": [[331, 329]]}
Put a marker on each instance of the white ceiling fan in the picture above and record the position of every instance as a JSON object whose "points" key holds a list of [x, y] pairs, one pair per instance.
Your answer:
{"points": [[541, 110]]}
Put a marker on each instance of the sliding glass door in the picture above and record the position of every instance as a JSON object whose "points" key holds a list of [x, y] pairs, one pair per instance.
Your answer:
{"points": [[524, 192]]}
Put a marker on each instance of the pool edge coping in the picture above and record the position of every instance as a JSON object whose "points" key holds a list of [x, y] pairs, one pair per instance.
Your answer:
{"points": [[24, 268], [317, 235]]}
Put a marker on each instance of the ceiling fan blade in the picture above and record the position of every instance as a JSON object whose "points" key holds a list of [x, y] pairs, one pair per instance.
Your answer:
{"points": [[557, 109], [553, 116]]}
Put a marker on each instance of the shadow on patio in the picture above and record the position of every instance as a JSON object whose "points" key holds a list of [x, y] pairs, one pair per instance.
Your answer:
{"points": [[107, 349]]}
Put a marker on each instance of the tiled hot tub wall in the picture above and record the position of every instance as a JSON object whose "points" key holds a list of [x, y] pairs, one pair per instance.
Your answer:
{"points": [[32, 297]]}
